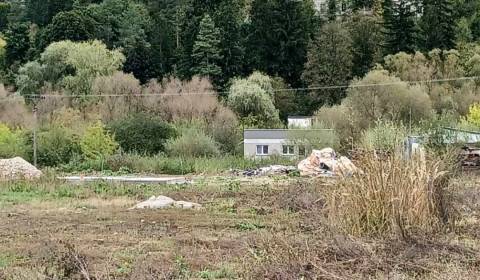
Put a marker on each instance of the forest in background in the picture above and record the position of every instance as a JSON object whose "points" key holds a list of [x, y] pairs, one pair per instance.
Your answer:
{"points": [[204, 70]]}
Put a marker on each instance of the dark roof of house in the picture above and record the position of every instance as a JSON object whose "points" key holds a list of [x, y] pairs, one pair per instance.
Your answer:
{"points": [[299, 117], [278, 133]]}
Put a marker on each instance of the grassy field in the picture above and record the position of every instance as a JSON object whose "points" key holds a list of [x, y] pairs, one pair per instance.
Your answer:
{"points": [[261, 228]]}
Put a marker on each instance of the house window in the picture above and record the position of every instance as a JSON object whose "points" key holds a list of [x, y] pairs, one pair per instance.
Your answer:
{"points": [[288, 150], [262, 150], [301, 151]]}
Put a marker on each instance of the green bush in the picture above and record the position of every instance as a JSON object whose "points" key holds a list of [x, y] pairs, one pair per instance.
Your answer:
{"points": [[192, 143], [97, 142], [142, 134], [57, 145], [385, 136], [225, 130], [12, 143]]}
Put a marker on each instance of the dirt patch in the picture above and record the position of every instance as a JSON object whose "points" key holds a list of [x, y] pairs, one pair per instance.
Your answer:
{"points": [[273, 230]]}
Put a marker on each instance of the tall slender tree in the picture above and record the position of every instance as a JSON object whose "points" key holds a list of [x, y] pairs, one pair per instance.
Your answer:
{"points": [[42, 12], [367, 37], [332, 10], [399, 23], [329, 63], [18, 43], [206, 50], [437, 25], [280, 31]]}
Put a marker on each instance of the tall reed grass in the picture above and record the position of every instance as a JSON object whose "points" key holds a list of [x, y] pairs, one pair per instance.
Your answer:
{"points": [[393, 196]]}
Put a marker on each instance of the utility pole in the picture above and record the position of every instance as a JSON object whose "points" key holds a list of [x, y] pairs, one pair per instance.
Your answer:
{"points": [[35, 121]]}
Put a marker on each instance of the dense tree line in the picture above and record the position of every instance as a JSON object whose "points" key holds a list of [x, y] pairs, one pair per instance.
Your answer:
{"points": [[223, 40]]}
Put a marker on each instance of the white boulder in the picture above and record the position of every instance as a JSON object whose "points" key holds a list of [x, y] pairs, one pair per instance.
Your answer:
{"points": [[162, 202]]}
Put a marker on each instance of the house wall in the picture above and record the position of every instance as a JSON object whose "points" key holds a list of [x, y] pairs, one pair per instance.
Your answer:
{"points": [[275, 147]]}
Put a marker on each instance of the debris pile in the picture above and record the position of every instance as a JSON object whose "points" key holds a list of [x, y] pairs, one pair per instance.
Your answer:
{"points": [[265, 171], [326, 163], [162, 202], [18, 168], [470, 157]]}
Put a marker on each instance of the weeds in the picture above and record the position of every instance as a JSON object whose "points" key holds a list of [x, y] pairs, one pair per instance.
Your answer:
{"points": [[248, 226]]}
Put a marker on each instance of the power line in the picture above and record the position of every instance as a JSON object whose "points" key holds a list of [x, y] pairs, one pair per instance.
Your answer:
{"points": [[191, 94], [381, 84]]}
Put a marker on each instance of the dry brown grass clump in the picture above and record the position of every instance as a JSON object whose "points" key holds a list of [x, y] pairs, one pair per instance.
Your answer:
{"points": [[392, 196]]}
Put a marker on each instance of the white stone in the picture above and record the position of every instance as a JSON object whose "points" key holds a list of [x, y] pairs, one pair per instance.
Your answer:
{"points": [[162, 202], [155, 203], [186, 205]]}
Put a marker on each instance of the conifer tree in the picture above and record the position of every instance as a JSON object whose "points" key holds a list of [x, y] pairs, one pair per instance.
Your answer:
{"points": [[206, 50], [332, 10], [437, 25], [399, 22]]}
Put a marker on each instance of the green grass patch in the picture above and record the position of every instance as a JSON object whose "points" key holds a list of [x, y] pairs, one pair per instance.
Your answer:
{"points": [[122, 164], [249, 226], [225, 272]]}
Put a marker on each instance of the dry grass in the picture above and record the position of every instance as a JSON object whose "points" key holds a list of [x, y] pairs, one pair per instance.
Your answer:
{"points": [[392, 196]]}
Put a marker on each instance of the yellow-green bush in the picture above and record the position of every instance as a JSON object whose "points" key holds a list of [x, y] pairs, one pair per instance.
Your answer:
{"points": [[12, 143], [97, 142], [473, 116]]}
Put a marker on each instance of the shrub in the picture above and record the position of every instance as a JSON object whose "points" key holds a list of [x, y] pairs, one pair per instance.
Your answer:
{"points": [[142, 134], [13, 111], [57, 145], [392, 196], [225, 130], [192, 143], [473, 116], [313, 139], [97, 142], [253, 104], [182, 100], [396, 102], [386, 136], [12, 143], [341, 119], [112, 107]]}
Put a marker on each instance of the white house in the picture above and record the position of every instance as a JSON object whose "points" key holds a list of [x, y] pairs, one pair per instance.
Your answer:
{"points": [[263, 143], [300, 122], [322, 7]]}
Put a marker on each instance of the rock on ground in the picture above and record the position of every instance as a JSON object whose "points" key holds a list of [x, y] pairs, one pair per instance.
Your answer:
{"points": [[18, 168], [161, 202]]}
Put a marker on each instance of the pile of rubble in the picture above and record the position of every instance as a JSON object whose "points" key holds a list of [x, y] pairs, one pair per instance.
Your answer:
{"points": [[17, 169], [162, 202], [266, 171], [326, 163]]}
